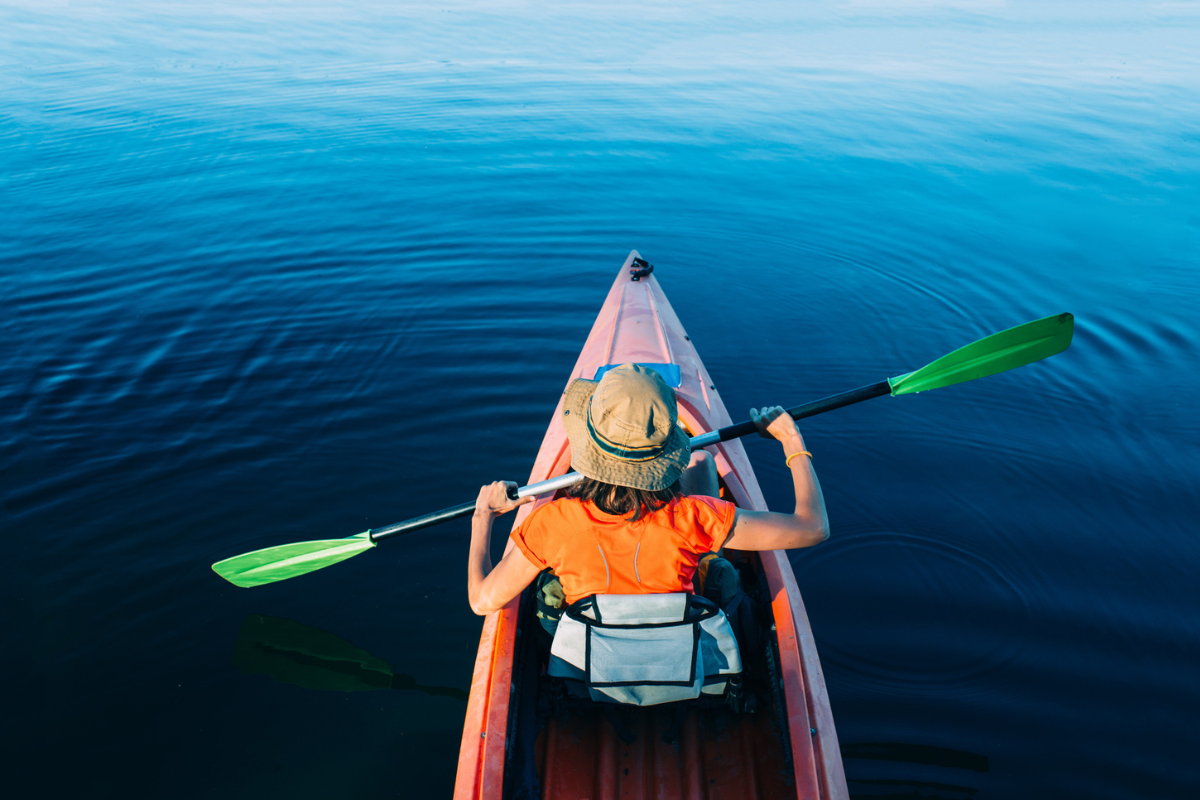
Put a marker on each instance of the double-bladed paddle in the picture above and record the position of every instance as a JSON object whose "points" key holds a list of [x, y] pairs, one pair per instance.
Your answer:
{"points": [[999, 352]]}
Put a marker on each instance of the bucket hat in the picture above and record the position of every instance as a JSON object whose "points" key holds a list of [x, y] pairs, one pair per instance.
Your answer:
{"points": [[623, 430]]}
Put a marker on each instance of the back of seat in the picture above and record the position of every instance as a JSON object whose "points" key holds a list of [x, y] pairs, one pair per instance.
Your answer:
{"points": [[645, 649]]}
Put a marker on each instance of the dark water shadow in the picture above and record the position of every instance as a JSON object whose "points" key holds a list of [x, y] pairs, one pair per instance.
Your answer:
{"points": [[917, 754], [908, 790], [315, 659], [889, 788]]}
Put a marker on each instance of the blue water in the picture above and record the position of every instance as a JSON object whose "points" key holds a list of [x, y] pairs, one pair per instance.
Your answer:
{"points": [[278, 271]]}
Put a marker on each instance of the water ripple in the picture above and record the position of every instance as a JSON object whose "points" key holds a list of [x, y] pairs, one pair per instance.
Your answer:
{"points": [[273, 272], [944, 635]]}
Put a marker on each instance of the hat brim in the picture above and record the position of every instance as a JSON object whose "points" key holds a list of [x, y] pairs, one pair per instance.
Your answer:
{"points": [[653, 475]]}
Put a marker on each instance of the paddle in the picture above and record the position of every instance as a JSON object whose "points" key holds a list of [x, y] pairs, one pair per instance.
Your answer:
{"points": [[315, 659], [999, 352]]}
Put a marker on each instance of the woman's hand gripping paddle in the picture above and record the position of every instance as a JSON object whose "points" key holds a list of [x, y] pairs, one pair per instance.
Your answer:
{"points": [[993, 354]]}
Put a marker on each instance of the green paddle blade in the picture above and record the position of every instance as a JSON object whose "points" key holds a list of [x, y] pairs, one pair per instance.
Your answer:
{"points": [[289, 560], [999, 352]]}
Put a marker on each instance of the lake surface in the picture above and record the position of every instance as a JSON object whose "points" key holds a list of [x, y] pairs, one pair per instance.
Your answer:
{"points": [[274, 272]]}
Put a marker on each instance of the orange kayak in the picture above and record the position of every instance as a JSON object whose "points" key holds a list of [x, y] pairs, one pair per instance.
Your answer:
{"points": [[512, 748]]}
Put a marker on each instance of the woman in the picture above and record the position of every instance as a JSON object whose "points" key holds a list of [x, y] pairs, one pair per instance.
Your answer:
{"points": [[648, 510]]}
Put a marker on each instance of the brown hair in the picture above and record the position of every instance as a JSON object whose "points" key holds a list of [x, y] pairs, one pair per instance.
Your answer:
{"points": [[623, 499]]}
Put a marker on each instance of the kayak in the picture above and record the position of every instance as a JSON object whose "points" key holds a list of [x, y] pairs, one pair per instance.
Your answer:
{"points": [[515, 744]]}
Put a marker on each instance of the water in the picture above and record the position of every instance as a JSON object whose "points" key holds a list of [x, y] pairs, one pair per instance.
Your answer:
{"points": [[277, 271]]}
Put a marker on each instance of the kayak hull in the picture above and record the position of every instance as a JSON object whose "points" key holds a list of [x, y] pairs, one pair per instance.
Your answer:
{"points": [[752, 756]]}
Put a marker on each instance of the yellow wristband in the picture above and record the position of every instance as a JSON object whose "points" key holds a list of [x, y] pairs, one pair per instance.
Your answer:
{"points": [[788, 463]]}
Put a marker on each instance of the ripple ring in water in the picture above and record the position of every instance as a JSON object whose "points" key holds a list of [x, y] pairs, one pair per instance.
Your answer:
{"points": [[955, 629]]}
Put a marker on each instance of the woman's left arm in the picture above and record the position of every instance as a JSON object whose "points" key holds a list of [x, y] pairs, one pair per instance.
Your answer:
{"points": [[807, 524], [491, 590]]}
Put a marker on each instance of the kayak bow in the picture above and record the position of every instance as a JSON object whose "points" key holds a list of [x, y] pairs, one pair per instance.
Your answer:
{"points": [[507, 752]]}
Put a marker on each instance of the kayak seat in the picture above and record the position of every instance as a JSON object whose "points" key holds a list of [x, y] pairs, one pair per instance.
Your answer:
{"points": [[645, 649]]}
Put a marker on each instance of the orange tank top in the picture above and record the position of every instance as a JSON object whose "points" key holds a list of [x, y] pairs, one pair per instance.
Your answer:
{"points": [[592, 552]]}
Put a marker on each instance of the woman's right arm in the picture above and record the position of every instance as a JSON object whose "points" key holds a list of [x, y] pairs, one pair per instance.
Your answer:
{"points": [[771, 530]]}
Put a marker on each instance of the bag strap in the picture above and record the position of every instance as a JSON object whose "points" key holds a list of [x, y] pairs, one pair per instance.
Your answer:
{"points": [[695, 603], [733, 601]]}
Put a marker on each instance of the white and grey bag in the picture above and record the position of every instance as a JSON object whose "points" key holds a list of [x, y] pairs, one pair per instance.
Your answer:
{"points": [[645, 649]]}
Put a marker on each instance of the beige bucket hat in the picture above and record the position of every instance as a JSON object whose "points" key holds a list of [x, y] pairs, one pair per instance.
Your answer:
{"points": [[622, 429]]}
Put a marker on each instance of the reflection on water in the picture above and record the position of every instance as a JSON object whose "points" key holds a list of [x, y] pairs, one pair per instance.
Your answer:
{"points": [[883, 789], [935, 783], [315, 659], [916, 754]]}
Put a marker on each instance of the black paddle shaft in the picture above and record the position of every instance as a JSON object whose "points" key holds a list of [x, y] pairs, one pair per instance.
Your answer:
{"points": [[730, 432], [425, 521], [812, 409]]}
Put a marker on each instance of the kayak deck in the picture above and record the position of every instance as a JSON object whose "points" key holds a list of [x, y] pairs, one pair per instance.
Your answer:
{"points": [[788, 749], [709, 758]]}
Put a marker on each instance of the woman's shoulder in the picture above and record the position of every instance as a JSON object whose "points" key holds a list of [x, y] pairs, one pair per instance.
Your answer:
{"points": [[703, 521], [555, 510], [543, 530], [695, 511], [699, 503]]}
